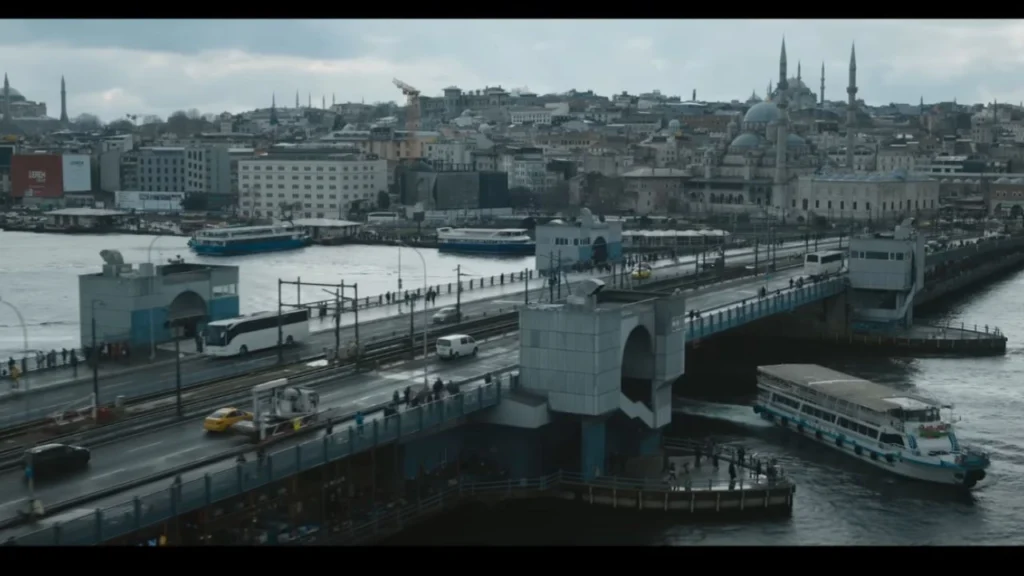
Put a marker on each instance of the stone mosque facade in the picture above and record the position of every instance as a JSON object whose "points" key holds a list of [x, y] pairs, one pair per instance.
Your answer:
{"points": [[756, 167]]}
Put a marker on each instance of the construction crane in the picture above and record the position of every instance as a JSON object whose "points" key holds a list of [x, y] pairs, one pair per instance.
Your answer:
{"points": [[412, 104]]}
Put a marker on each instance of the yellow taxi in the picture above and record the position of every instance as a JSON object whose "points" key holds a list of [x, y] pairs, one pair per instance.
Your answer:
{"points": [[225, 418], [642, 272]]}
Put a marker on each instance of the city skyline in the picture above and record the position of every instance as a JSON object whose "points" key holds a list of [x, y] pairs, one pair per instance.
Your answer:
{"points": [[114, 68]]}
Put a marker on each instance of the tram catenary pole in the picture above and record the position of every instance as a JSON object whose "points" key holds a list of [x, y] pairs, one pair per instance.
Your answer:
{"points": [[335, 290]]}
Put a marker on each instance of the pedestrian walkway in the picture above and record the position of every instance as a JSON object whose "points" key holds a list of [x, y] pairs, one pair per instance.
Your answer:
{"points": [[66, 373]]}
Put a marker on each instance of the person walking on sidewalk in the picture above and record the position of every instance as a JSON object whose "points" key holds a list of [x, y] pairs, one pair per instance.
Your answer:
{"points": [[74, 363], [64, 356]]}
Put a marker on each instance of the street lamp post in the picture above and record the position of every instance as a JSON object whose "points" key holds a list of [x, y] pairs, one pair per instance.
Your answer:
{"points": [[95, 359], [24, 328], [426, 318], [152, 329]]}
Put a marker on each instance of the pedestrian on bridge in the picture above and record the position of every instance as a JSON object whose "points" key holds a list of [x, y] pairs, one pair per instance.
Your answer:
{"points": [[395, 398], [407, 393]]}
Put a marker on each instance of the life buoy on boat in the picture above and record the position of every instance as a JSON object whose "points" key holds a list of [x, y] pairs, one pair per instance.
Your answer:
{"points": [[889, 458]]}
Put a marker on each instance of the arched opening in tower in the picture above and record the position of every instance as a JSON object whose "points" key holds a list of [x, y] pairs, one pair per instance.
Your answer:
{"points": [[638, 366], [600, 250], [187, 310]]}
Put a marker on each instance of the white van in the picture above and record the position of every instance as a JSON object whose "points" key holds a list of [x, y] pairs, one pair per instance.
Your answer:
{"points": [[455, 345]]}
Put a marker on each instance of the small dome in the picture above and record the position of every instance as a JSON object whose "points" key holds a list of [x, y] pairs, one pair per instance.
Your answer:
{"points": [[467, 113], [673, 125], [762, 112], [348, 128], [794, 141], [745, 141], [484, 128]]}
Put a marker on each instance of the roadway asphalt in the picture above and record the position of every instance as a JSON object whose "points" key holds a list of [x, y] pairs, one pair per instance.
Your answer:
{"points": [[159, 378], [150, 453]]}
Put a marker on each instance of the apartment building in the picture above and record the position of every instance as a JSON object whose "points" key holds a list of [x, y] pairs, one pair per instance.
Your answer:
{"points": [[324, 187], [161, 169]]}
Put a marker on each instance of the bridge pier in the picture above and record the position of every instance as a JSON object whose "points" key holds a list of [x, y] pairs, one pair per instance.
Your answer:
{"points": [[593, 446]]}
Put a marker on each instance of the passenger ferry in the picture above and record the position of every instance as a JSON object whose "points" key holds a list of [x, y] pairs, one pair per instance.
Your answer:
{"points": [[248, 240], [511, 241], [903, 433]]}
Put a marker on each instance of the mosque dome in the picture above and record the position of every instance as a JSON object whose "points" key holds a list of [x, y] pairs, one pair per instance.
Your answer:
{"points": [[745, 141], [673, 125], [794, 141], [762, 112], [15, 95]]}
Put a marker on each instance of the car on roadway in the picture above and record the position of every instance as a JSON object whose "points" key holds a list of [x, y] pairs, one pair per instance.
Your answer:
{"points": [[447, 315], [52, 460], [222, 420], [454, 345]]}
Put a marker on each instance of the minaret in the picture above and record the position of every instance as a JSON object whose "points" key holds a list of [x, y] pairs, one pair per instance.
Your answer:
{"points": [[309, 100], [694, 96], [851, 112], [782, 133], [296, 99], [823, 84], [63, 102], [768, 94], [273, 109], [323, 101], [333, 102], [7, 99], [799, 77]]}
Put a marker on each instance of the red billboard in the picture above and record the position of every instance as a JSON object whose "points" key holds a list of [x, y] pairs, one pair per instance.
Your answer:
{"points": [[37, 176]]}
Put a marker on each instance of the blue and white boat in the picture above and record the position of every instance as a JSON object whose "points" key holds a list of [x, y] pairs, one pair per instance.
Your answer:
{"points": [[248, 240], [506, 241], [904, 433]]}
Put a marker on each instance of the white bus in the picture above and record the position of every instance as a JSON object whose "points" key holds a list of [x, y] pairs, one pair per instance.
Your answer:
{"points": [[819, 264], [258, 331]]}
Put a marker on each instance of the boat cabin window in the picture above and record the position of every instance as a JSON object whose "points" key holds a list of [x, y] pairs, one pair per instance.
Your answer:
{"points": [[927, 415], [819, 414], [858, 428], [779, 399], [892, 439]]}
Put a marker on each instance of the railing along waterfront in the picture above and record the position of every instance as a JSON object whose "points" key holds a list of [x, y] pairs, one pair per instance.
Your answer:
{"points": [[149, 509], [735, 314]]}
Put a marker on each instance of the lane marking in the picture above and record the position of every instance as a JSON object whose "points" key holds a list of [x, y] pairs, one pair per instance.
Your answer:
{"points": [[144, 446], [185, 451], [105, 474]]}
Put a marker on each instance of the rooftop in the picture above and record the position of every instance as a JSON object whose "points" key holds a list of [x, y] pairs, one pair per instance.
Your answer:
{"points": [[657, 173], [844, 387], [85, 212]]}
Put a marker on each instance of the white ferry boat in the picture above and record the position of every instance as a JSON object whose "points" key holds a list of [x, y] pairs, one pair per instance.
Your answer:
{"points": [[237, 240], [903, 433], [510, 241]]}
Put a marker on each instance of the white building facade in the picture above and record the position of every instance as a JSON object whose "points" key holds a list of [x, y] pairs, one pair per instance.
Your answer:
{"points": [[328, 188], [865, 197]]}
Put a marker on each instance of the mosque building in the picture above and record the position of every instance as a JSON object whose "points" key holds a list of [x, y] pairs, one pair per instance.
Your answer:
{"points": [[757, 166], [23, 115]]}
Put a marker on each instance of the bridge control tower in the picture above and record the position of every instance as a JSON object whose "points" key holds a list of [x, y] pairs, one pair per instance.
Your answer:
{"points": [[605, 361], [886, 271]]}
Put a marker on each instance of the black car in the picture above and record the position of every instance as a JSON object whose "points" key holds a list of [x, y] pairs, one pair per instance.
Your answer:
{"points": [[50, 460]]}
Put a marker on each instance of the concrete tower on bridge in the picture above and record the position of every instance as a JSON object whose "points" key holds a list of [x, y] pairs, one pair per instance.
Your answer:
{"points": [[886, 271], [606, 359]]}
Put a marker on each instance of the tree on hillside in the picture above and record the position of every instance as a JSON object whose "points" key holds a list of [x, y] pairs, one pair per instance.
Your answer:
{"points": [[152, 119], [194, 114], [178, 123], [87, 122], [121, 125]]}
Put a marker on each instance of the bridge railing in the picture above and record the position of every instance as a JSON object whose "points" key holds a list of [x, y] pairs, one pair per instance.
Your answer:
{"points": [[162, 505], [737, 314]]}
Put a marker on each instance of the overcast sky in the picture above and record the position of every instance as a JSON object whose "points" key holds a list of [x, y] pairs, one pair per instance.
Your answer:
{"points": [[152, 66]]}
